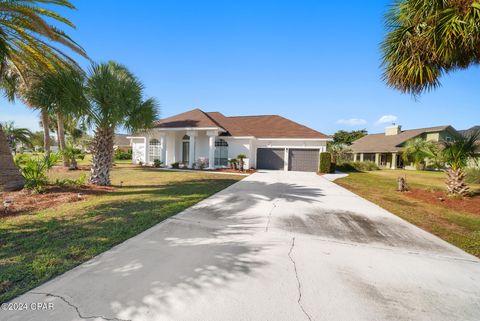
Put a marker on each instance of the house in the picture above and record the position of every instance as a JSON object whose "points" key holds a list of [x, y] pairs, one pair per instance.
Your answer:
{"points": [[194, 137], [385, 149], [122, 142]]}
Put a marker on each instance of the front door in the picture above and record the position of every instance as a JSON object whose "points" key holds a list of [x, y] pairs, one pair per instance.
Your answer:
{"points": [[185, 152]]}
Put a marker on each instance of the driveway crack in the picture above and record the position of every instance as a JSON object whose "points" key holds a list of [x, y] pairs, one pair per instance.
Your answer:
{"points": [[299, 284], [77, 309], [274, 206]]}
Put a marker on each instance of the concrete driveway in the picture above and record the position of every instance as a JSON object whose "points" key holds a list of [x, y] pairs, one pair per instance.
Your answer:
{"points": [[275, 246]]}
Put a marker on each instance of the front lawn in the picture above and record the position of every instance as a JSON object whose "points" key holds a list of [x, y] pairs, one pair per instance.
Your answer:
{"points": [[457, 224], [36, 246]]}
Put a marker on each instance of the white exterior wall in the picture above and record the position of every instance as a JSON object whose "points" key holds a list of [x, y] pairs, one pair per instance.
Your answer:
{"points": [[236, 146], [138, 150], [239, 146]]}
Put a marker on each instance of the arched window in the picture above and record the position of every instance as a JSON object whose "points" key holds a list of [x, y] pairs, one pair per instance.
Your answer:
{"points": [[154, 150], [221, 152], [185, 149]]}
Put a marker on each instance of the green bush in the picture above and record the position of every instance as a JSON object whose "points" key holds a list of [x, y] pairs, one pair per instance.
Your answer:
{"points": [[365, 166], [34, 170], [176, 165], [121, 155], [325, 162], [72, 182], [472, 175], [157, 163]]}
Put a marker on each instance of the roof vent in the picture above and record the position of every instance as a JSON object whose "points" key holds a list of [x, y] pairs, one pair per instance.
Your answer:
{"points": [[393, 130]]}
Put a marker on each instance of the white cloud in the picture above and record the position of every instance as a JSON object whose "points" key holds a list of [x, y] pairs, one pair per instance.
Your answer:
{"points": [[352, 121], [386, 119]]}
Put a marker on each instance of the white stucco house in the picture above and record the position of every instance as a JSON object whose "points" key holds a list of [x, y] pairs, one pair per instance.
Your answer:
{"points": [[268, 141]]}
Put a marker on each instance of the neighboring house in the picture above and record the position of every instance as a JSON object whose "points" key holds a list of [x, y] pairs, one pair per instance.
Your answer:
{"points": [[122, 142], [269, 142], [470, 132], [385, 149]]}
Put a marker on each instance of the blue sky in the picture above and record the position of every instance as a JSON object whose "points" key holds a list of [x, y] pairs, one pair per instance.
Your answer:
{"points": [[315, 62]]}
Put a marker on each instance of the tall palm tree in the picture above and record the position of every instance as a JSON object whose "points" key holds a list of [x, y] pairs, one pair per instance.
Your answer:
{"points": [[429, 38], [15, 135], [26, 44], [116, 99], [457, 153], [60, 93]]}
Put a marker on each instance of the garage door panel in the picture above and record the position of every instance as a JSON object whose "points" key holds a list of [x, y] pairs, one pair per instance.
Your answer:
{"points": [[270, 158], [303, 160]]}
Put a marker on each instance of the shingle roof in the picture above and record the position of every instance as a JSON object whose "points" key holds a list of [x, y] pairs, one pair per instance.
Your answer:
{"points": [[264, 126], [193, 119], [121, 140], [470, 131], [381, 143]]}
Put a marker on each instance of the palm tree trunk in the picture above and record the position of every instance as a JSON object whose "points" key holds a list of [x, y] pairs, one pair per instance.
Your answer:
{"points": [[10, 177], [102, 148], [456, 182], [61, 137], [46, 132]]}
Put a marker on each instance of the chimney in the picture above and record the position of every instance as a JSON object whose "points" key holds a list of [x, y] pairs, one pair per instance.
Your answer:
{"points": [[393, 130]]}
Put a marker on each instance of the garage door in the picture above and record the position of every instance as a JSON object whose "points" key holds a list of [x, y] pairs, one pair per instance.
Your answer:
{"points": [[304, 160], [270, 158]]}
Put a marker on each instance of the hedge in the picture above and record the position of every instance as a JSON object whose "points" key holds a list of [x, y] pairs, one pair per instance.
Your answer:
{"points": [[325, 162]]}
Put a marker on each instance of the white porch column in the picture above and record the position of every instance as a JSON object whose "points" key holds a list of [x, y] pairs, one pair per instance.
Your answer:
{"points": [[191, 153], [147, 150], [394, 160], [361, 157], [377, 159], [163, 148], [212, 135], [355, 157]]}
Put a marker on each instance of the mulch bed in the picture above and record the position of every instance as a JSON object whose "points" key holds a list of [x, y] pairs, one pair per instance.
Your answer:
{"points": [[24, 201], [466, 204]]}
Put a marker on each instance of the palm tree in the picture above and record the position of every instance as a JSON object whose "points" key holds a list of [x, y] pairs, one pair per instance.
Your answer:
{"points": [[116, 99], [429, 38], [339, 152], [15, 135], [457, 154], [26, 42], [60, 93], [418, 150]]}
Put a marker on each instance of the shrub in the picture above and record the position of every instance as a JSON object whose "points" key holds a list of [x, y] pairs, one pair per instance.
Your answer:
{"points": [[34, 170], [157, 163], [175, 165], [72, 182], [233, 163], [325, 162], [201, 163], [121, 155], [73, 153], [364, 166], [472, 175]]}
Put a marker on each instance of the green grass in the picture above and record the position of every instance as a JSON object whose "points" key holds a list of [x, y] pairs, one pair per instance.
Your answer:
{"points": [[36, 247], [459, 228]]}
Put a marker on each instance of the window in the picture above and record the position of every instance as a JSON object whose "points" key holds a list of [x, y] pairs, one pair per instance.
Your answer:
{"points": [[185, 149], [154, 150], [221, 152]]}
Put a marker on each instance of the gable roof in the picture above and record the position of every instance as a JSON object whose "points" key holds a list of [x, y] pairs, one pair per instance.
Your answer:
{"points": [[191, 119], [263, 126], [469, 132], [393, 143], [121, 140]]}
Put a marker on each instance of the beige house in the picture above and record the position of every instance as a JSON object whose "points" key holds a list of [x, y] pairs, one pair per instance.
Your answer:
{"points": [[385, 149]]}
